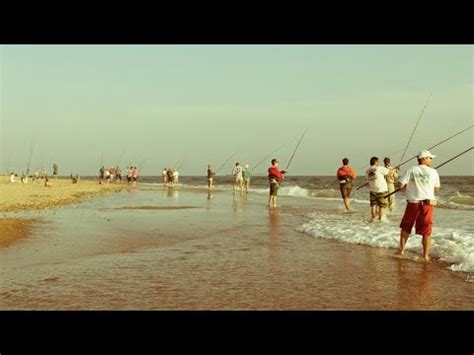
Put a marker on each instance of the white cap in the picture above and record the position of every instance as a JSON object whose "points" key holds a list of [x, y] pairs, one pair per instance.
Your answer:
{"points": [[425, 154]]}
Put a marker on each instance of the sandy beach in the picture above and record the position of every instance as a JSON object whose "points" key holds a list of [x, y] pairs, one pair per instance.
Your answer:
{"points": [[35, 196], [141, 249]]}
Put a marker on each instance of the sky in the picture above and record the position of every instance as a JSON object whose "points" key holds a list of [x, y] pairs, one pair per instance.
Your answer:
{"points": [[153, 106]]}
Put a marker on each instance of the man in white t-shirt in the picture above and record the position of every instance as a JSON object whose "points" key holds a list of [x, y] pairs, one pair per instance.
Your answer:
{"points": [[378, 187], [421, 183], [239, 180]]}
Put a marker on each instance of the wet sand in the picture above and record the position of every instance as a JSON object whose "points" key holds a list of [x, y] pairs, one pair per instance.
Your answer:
{"points": [[13, 229], [231, 253]]}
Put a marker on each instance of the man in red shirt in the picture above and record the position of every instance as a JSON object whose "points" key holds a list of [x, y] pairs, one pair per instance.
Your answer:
{"points": [[345, 174], [274, 176]]}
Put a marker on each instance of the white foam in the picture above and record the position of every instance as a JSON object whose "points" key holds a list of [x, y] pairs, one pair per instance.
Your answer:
{"points": [[453, 246]]}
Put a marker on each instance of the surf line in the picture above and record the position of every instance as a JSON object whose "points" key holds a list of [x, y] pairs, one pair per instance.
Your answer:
{"points": [[432, 147], [437, 167]]}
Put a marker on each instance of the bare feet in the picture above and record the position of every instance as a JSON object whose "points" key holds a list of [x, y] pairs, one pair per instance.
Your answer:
{"points": [[400, 252], [427, 258]]}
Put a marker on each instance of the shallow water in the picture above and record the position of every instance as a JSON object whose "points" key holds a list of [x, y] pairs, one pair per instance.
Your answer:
{"points": [[226, 253]]}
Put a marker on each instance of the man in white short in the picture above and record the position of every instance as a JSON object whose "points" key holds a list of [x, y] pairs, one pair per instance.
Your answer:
{"points": [[378, 188], [421, 182], [239, 180]]}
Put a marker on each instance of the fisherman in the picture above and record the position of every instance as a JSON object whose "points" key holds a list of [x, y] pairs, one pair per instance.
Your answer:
{"points": [[421, 182], [169, 171], [73, 179], [134, 175], [164, 174], [101, 175], [129, 174], [210, 177], [175, 176], [55, 170], [274, 177], [46, 182], [239, 181], [392, 176], [12, 177], [118, 175], [378, 188], [107, 176], [345, 174], [246, 174], [24, 178]]}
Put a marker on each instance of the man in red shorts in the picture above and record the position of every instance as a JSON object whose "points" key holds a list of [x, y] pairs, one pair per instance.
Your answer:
{"points": [[345, 174], [421, 183]]}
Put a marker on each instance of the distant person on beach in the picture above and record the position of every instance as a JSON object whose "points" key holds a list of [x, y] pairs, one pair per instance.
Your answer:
{"points": [[164, 174], [101, 175], [170, 175], [345, 174], [274, 177], [24, 178], [134, 175], [46, 182], [421, 183], [392, 176], [55, 170], [246, 174], [74, 179], [107, 176], [378, 188], [210, 176], [129, 174], [12, 177], [238, 179], [175, 177], [118, 175]]}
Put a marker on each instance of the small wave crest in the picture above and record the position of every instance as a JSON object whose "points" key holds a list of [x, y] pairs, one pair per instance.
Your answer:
{"points": [[453, 246]]}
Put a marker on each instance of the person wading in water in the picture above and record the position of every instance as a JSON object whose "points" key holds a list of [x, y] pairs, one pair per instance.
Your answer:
{"points": [[345, 174]]}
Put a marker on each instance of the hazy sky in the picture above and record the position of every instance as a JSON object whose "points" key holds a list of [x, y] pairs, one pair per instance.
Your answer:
{"points": [[154, 105]]}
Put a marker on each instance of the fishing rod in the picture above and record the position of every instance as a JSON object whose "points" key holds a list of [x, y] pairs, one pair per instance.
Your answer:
{"points": [[432, 147], [266, 157], [296, 148], [437, 167], [225, 162], [416, 126], [387, 155], [30, 158]]}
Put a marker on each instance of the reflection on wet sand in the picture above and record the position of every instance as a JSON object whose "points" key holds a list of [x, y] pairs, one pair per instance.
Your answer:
{"points": [[237, 202], [170, 192], [274, 237], [414, 285]]}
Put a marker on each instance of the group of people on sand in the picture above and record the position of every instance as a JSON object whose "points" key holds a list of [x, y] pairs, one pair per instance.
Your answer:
{"points": [[115, 175], [170, 176], [420, 182], [40, 174]]}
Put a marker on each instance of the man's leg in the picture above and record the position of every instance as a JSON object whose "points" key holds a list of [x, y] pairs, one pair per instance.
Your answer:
{"points": [[373, 211], [426, 247], [404, 235]]}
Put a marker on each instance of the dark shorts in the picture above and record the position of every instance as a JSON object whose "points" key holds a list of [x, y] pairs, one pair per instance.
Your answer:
{"points": [[418, 215], [346, 189], [378, 199], [274, 188], [134, 179]]}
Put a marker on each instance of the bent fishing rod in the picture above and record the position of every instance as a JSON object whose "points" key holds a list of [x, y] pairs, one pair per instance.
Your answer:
{"points": [[266, 157], [432, 147], [437, 167], [233, 154], [296, 148]]}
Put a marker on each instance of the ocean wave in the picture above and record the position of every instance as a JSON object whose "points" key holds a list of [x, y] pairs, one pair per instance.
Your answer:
{"points": [[453, 246]]}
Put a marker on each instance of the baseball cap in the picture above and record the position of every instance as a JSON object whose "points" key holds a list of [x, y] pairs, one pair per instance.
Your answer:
{"points": [[425, 154]]}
